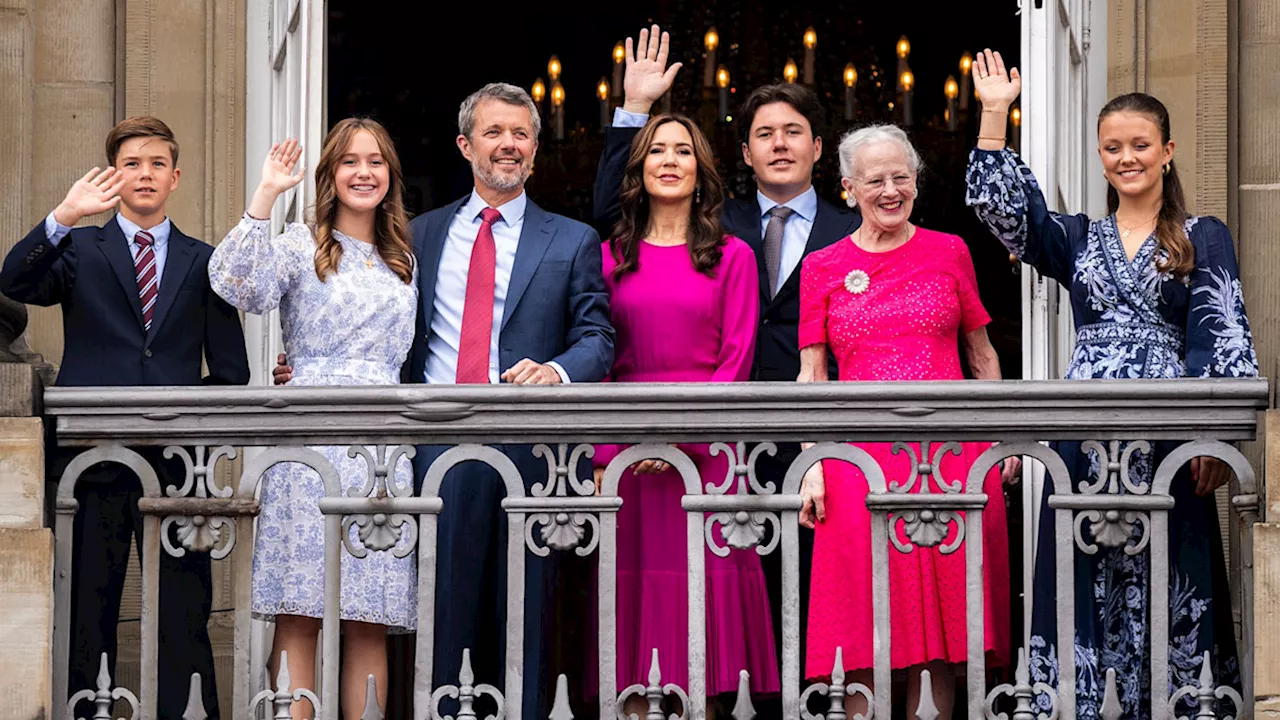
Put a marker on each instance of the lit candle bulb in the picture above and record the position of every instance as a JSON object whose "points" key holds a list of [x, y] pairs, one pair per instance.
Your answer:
{"points": [[619, 56], [850, 83], [710, 41], [557, 109], [789, 71], [722, 82], [966, 77], [539, 92], [810, 44], [908, 82], [1015, 119], [951, 90], [553, 68], [602, 92], [903, 49]]}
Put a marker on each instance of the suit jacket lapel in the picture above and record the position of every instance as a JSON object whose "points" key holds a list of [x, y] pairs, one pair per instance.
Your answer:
{"points": [[177, 263], [114, 245], [742, 218], [535, 238], [429, 249], [829, 226]]}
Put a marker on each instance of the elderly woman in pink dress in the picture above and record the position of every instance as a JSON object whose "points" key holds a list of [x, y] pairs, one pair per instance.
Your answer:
{"points": [[894, 302], [684, 302]]}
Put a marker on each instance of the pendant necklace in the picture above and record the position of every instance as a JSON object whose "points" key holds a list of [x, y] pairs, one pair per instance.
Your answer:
{"points": [[1124, 233]]}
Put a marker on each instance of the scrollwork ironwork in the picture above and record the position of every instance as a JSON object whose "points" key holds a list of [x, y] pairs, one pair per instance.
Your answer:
{"points": [[466, 693], [1021, 691], [1207, 694], [564, 529], [653, 693], [283, 697], [199, 533], [105, 696], [836, 691]]}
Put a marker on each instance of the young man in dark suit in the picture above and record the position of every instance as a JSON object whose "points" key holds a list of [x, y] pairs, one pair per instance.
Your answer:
{"points": [[137, 309], [785, 221]]}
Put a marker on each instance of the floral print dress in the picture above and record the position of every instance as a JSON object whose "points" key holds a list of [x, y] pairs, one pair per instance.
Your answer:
{"points": [[354, 328], [1132, 321]]}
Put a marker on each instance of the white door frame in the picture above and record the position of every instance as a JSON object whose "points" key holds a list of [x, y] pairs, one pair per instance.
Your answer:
{"points": [[1064, 86], [285, 44]]}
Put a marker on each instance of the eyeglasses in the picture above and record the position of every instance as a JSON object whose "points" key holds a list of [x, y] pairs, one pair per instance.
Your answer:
{"points": [[899, 180]]}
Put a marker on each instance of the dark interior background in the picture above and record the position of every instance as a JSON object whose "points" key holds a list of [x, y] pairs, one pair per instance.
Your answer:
{"points": [[412, 73], [411, 67]]}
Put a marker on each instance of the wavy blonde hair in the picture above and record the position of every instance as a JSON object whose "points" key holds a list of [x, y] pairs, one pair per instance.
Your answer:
{"points": [[390, 225]]}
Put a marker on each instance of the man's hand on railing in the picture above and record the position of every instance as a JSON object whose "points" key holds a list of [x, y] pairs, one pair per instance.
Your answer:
{"points": [[1209, 474], [813, 494], [283, 371]]}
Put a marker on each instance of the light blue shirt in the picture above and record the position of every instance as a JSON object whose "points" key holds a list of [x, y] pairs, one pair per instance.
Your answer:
{"points": [[55, 231], [451, 287], [795, 234]]}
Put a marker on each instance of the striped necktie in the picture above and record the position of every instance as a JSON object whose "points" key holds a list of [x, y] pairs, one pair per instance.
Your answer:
{"points": [[148, 279]]}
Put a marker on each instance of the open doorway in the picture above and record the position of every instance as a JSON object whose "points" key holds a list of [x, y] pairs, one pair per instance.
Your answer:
{"points": [[411, 74], [412, 70]]}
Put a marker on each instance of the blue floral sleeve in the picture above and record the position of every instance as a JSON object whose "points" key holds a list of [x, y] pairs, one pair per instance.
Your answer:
{"points": [[1219, 343], [1004, 193], [252, 270]]}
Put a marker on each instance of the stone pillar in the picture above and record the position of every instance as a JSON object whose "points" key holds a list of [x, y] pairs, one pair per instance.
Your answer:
{"points": [[26, 550]]}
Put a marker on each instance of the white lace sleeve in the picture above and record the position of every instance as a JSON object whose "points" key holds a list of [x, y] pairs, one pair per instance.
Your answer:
{"points": [[252, 270]]}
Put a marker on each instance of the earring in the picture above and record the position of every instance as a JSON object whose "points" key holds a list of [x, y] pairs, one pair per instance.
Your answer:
{"points": [[697, 196], [1167, 167]]}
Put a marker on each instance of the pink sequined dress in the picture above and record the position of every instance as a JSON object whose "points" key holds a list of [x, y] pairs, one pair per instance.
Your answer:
{"points": [[897, 315], [675, 324]]}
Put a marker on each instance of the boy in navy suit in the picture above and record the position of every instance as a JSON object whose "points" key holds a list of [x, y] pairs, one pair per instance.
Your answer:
{"points": [[136, 310]]}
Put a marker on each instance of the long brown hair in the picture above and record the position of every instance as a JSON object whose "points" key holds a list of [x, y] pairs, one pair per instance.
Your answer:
{"points": [[706, 239], [1171, 231], [390, 224]]}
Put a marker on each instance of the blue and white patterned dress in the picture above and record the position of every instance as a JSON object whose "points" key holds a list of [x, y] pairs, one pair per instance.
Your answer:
{"points": [[353, 329], [1132, 321]]}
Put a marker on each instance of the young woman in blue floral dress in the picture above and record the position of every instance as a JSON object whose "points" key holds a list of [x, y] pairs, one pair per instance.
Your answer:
{"points": [[1156, 294]]}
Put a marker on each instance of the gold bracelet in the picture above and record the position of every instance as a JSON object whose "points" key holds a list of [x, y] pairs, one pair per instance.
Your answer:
{"points": [[996, 112], [992, 139]]}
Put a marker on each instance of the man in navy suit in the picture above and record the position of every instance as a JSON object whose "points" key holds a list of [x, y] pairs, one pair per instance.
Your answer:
{"points": [[509, 293], [136, 310], [531, 282], [783, 222]]}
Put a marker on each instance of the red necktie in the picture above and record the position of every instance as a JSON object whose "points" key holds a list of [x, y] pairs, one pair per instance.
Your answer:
{"points": [[148, 282], [477, 313]]}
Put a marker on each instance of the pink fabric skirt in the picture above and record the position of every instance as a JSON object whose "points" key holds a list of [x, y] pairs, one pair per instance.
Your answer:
{"points": [[926, 588], [653, 591]]}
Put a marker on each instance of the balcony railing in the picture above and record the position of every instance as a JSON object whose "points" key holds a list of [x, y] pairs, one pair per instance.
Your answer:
{"points": [[564, 513]]}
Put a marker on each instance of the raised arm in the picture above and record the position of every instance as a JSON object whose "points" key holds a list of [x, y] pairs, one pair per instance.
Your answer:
{"points": [[40, 269], [250, 269], [1001, 188], [646, 78]]}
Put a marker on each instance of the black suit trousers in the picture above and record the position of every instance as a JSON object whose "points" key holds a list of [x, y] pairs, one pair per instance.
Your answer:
{"points": [[108, 517]]}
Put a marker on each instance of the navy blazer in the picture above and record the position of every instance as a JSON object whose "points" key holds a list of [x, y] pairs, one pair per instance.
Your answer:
{"points": [[91, 274], [777, 343], [557, 306]]}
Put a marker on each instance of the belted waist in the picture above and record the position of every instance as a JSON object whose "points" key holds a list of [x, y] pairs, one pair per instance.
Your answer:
{"points": [[1167, 336]]}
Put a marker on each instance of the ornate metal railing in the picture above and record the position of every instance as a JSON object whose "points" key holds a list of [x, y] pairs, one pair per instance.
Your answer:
{"points": [[204, 426]]}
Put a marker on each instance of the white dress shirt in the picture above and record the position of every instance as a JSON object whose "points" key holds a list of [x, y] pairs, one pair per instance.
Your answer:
{"points": [[795, 234], [55, 231], [451, 286]]}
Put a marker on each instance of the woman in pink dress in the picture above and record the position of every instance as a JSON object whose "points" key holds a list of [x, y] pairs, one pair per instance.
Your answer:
{"points": [[892, 302], [684, 301]]}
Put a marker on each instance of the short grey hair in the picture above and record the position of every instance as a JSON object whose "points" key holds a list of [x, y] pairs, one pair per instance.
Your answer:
{"points": [[504, 92], [855, 140]]}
